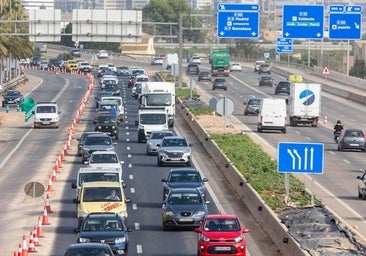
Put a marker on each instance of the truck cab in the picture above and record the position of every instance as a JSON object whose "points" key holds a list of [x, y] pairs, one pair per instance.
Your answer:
{"points": [[150, 119]]}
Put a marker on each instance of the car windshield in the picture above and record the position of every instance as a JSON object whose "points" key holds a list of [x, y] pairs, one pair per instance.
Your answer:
{"points": [[160, 135], [46, 109], [354, 133], [94, 140], [184, 177], [12, 93], [101, 194], [220, 80], [254, 102], [98, 176], [102, 224], [184, 198], [159, 99], [174, 143], [228, 225], [87, 252], [103, 158]]}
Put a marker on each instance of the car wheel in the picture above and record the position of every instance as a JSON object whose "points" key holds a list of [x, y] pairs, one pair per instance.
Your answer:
{"points": [[284, 130], [359, 194], [116, 136], [189, 163], [139, 138], [160, 163], [165, 227], [213, 88], [147, 152], [259, 129], [363, 196], [245, 113]]}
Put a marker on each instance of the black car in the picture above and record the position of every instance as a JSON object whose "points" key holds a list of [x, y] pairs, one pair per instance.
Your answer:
{"points": [[55, 62], [35, 61], [106, 228], [183, 207], [265, 81], [193, 69], [12, 97], [283, 87], [184, 178], [204, 75], [107, 123], [220, 83], [89, 249]]}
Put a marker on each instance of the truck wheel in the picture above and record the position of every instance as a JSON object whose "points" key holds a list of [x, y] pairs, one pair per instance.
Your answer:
{"points": [[284, 130], [116, 136], [139, 138], [259, 129]]}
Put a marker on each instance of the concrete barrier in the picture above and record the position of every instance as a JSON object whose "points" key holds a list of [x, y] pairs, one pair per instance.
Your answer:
{"points": [[263, 214]]}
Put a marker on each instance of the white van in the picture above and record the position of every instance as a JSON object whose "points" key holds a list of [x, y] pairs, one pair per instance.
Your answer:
{"points": [[272, 115], [93, 174]]}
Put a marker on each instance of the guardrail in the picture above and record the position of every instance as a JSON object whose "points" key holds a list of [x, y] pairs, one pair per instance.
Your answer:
{"points": [[13, 83]]}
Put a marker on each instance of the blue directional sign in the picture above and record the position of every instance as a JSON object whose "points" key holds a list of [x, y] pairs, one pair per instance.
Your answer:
{"points": [[284, 45], [345, 22], [300, 157], [303, 21], [238, 21]]}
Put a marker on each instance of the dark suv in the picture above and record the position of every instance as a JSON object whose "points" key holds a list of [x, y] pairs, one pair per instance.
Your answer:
{"points": [[106, 228], [283, 87], [107, 123], [193, 69]]}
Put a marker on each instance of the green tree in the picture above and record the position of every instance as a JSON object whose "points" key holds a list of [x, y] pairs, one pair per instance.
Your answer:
{"points": [[358, 69], [167, 11]]}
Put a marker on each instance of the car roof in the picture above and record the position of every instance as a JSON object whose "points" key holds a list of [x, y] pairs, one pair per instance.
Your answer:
{"points": [[88, 245], [99, 134], [183, 169], [174, 137], [221, 216], [104, 152], [102, 184]]}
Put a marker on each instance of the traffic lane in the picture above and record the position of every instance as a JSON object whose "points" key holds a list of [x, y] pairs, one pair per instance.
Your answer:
{"points": [[33, 161], [145, 186], [301, 134]]}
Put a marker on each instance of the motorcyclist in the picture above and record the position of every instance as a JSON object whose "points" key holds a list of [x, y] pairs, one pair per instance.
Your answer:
{"points": [[338, 127]]}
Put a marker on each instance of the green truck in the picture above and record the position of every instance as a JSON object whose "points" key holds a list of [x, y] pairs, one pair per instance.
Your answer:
{"points": [[220, 62]]}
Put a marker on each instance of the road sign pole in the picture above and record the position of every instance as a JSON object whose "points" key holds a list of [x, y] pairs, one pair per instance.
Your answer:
{"points": [[312, 190], [287, 188]]}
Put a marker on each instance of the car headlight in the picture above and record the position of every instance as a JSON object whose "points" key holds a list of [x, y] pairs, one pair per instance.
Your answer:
{"points": [[239, 238], [205, 238], [170, 213], [113, 127], [199, 214], [84, 240], [187, 151], [99, 127], [120, 240]]}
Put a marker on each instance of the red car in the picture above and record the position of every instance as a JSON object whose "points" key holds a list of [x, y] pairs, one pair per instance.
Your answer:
{"points": [[221, 234]]}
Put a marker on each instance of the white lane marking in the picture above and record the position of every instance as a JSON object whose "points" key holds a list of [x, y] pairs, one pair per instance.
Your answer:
{"points": [[134, 206], [139, 248], [132, 190], [130, 177], [346, 161], [128, 148]]}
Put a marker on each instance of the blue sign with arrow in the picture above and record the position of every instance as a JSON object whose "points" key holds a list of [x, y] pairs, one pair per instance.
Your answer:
{"points": [[300, 157], [303, 21], [345, 23], [284, 45], [238, 21]]}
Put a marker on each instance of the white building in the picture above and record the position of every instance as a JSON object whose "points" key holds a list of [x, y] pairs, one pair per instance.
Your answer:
{"points": [[38, 4]]}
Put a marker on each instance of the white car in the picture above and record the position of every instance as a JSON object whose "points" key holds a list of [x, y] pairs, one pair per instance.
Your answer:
{"points": [[257, 65], [105, 159], [103, 54], [235, 66], [195, 59]]}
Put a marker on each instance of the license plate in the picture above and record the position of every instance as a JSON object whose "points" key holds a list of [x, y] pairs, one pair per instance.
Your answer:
{"points": [[223, 248], [46, 122], [354, 145], [186, 219]]}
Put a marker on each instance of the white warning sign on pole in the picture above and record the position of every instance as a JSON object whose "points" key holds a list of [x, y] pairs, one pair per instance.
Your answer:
{"points": [[325, 71]]}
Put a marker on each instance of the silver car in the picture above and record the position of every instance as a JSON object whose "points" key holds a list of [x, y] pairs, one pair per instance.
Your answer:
{"points": [[174, 150], [96, 142], [154, 139], [352, 139]]}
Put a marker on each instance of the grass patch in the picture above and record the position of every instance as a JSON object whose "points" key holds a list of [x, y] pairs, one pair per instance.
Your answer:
{"points": [[261, 172]]}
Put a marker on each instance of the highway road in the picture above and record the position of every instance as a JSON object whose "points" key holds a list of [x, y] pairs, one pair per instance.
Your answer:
{"points": [[40, 148]]}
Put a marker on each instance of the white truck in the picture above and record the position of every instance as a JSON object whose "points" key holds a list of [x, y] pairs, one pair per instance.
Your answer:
{"points": [[159, 95], [304, 103], [150, 119]]}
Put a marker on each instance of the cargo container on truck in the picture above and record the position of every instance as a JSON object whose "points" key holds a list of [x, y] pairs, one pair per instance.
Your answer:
{"points": [[220, 62]]}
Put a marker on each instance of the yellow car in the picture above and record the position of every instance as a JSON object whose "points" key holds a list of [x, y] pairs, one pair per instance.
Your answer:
{"points": [[71, 65], [99, 197]]}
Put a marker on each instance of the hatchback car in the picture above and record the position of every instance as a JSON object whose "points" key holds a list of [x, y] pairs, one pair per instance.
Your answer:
{"points": [[107, 228], [174, 150], [193, 69], [154, 139], [265, 68], [266, 81], [184, 178], [195, 59], [102, 54], [105, 159], [12, 97], [257, 64], [353, 139], [76, 53], [89, 249], [221, 235], [252, 106], [204, 75], [219, 83], [96, 142], [235, 66], [123, 71], [183, 207], [282, 87]]}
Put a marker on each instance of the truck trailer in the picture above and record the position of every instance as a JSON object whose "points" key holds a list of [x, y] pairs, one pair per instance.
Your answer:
{"points": [[220, 62]]}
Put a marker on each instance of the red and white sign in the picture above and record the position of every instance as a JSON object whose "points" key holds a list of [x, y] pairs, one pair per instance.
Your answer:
{"points": [[325, 71]]}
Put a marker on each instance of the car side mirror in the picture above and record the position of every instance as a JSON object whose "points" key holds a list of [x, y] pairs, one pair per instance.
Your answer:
{"points": [[163, 180], [197, 230], [73, 185], [204, 179], [128, 200], [76, 201]]}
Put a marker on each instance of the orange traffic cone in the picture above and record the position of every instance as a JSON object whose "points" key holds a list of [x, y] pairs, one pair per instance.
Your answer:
{"points": [[45, 217], [24, 247], [59, 160], [56, 166], [325, 119], [63, 155], [69, 144], [65, 148], [20, 250], [35, 236], [53, 177], [50, 185], [39, 227], [32, 247], [48, 206]]}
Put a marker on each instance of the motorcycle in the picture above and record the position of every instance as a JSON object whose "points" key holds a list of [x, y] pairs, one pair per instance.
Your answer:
{"points": [[337, 134]]}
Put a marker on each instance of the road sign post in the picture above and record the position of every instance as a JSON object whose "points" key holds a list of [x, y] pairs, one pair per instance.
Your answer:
{"points": [[345, 22], [303, 21], [237, 20]]}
